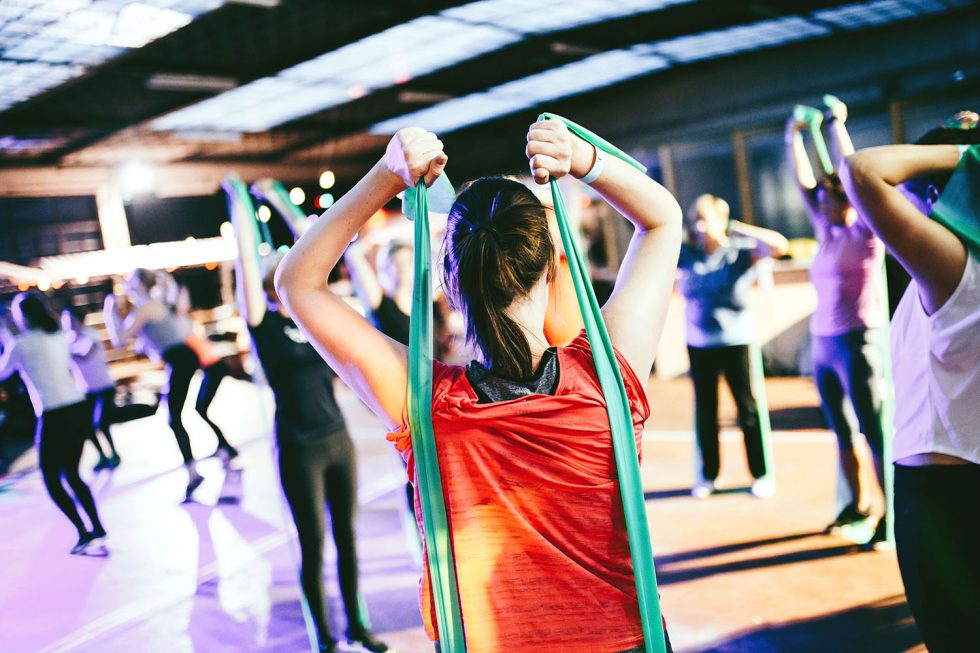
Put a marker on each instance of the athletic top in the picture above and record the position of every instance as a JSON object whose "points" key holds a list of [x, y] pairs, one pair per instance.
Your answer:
{"points": [[936, 363], [301, 382], [716, 288], [160, 335], [846, 273], [90, 369], [390, 320], [490, 387], [42, 359], [533, 500]]}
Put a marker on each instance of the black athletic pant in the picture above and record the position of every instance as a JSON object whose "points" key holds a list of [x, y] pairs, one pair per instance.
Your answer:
{"points": [[314, 472], [213, 375], [937, 533], [707, 363], [102, 406], [61, 434], [181, 363]]}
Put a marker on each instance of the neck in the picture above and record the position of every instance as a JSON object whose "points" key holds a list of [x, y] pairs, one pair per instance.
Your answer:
{"points": [[528, 314]]}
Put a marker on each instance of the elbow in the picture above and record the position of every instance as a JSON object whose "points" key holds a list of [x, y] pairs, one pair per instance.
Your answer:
{"points": [[283, 279], [856, 171]]}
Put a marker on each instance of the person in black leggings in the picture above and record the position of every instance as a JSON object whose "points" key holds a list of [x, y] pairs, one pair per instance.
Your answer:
{"points": [[159, 331], [41, 353], [316, 454]]}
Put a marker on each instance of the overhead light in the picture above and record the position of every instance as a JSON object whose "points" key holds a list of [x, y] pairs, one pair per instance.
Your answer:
{"points": [[190, 83], [296, 195], [136, 178], [324, 201], [422, 97], [265, 4], [327, 179], [227, 230], [265, 213]]}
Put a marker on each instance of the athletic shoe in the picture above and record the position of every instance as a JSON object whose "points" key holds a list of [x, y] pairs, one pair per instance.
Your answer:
{"points": [[84, 539], [879, 541], [365, 641], [226, 453], [105, 462], [194, 483], [703, 489], [114, 461], [763, 488], [849, 515], [329, 646]]}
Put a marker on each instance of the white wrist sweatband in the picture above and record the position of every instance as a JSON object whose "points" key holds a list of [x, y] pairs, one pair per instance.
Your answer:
{"points": [[596, 169]]}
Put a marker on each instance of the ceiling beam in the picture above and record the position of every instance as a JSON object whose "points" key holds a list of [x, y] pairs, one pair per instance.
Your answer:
{"points": [[171, 180]]}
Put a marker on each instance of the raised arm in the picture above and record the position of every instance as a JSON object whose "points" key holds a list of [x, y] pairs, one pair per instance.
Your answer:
{"points": [[8, 359], [802, 169], [272, 192], [363, 277], [841, 146], [121, 332], [373, 365], [769, 243], [249, 293], [930, 252], [637, 308]]}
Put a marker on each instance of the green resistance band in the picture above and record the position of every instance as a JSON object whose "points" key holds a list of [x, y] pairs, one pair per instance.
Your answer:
{"points": [[278, 197], [762, 408], [958, 208], [441, 563], [239, 200], [813, 117], [617, 406]]}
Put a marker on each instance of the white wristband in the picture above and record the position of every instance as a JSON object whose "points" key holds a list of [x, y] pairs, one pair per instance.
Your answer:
{"points": [[596, 170]]}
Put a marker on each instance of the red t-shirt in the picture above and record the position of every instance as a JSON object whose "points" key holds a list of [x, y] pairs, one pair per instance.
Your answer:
{"points": [[532, 496]]}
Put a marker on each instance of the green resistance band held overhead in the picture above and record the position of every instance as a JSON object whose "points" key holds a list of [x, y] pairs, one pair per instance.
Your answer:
{"points": [[440, 556]]}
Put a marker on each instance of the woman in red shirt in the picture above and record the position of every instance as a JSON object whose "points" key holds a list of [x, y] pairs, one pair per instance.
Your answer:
{"points": [[523, 438]]}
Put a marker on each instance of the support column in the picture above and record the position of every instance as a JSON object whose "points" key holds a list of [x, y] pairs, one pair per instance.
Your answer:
{"points": [[112, 217]]}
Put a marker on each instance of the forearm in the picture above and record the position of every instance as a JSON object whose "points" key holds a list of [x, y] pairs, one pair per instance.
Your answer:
{"points": [[308, 263], [362, 276], [113, 323], [249, 292], [799, 160], [773, 243], [840, 141], [896, 164]]}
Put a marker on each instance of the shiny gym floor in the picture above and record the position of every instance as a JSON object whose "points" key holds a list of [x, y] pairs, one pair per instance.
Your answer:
{"points": [[736, 573]]}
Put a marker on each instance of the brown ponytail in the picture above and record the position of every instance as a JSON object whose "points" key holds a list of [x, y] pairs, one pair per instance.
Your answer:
{"points": [[497, 247]]}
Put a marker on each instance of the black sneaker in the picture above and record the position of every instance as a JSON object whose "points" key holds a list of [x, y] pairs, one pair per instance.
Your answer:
{"points": [[84, 539], [329, 646], [194, 483], [849, 515], [879, 541], [366, 641], [104, 463], [114, 461]]}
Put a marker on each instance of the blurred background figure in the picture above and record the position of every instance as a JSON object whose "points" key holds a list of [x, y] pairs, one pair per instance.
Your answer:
{"points": [[41, 353], [847, 357], [716, 271]]}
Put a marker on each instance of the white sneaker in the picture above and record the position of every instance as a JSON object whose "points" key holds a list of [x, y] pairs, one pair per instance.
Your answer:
{"points": [[763, 488], [703, 489]]}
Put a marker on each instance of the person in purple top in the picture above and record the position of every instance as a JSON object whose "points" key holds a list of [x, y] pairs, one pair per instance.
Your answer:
{"points": [[846, 338]]}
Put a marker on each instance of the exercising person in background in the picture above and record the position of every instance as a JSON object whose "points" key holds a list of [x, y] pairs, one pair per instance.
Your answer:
{"points": [[214, 368], [317, 462], [846, 326], [935, 335], [157, 328], [41, 353], [91, 372], [717, 269]]}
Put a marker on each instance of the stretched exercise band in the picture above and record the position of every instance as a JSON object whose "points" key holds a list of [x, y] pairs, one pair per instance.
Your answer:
{"points": [[814, 119]]}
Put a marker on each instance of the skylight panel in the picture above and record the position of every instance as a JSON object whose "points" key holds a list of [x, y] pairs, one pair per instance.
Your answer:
{"points": [[736, 39], [551, 15], [589, 74], [881, 12]]}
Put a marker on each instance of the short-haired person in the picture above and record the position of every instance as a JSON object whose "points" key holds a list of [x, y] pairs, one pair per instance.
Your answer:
{"points": [[846, 337], [936, 366], [522, 434], [717, 270], [41, 353]]}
